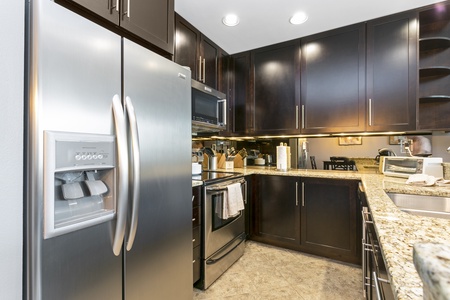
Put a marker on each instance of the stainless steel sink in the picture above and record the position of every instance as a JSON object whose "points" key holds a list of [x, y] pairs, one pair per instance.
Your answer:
{"points": [[429, 206]]}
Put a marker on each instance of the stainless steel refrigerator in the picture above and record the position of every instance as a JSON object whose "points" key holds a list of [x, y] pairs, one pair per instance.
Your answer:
{"points": [[108, 192]]}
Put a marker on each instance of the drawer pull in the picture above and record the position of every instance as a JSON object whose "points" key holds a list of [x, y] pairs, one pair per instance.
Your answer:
{"points": [[193, 261], [193, 240], [193, 219]]}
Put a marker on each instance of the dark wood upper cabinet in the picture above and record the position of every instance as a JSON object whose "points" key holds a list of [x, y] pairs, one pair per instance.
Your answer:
{"points": [[392, 72], [276, 89], [200, 54], [210, 62], [152, 21], [333, 81], [187, 41], [239, 102]]}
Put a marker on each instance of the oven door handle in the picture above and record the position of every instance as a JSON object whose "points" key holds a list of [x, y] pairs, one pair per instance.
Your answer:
{"points": [[212, 261], [222, 187]]}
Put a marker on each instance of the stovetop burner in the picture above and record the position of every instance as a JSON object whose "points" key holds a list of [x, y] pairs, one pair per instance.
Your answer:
{"points": [[214, 176]]}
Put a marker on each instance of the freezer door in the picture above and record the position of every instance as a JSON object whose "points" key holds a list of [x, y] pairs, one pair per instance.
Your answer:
{"points": [[159, 264], [75, 70]]}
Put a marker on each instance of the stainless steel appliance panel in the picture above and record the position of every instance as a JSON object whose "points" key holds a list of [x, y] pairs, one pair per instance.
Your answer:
{"points": [[216, 238], [74, 68], [162, 252]]}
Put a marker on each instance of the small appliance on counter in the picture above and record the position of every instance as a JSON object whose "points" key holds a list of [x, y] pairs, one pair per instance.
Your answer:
{"points": [[404, 166]]}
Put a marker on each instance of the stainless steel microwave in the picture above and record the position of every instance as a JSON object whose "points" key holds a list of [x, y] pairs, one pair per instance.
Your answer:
{"points": [[209, 108]]}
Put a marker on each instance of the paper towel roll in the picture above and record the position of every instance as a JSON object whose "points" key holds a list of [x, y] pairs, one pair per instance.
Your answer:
{"points": [[282, 158]]}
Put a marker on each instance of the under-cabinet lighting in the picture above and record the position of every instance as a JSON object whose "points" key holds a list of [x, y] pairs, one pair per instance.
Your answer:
{"points": [[230, 20]]}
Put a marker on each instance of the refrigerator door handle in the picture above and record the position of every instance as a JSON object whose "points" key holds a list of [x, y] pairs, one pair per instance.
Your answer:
{"points": [[136, 171], [122, 181]]}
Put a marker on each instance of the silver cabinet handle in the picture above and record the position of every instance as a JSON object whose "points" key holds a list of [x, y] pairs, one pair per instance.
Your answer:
{"points": [[122, 181], [296, 193], [303, 116], [204, 71], [126, 13], [370, 112], [193, 219], [117, 5], [296, 117], [200, 69], [136, 156], [303, 194], [245, 192], [193, 240]]}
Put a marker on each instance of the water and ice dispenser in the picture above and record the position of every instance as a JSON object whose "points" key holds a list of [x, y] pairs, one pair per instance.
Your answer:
{"points": [[79, 181]]}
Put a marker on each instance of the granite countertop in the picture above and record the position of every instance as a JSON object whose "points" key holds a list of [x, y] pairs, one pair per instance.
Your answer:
{"points": [[397, 231], [196, 183], [432, 262]]}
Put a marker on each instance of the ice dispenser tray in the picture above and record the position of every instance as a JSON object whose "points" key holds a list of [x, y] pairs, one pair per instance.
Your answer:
{"points": [[79, 181]]}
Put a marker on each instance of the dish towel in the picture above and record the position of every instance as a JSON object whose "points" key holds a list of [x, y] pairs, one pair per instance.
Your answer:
{"points": [[233, 202]]}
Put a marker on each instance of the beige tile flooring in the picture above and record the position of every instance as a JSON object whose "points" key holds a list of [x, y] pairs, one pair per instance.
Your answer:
{"points": [[267, 272]]}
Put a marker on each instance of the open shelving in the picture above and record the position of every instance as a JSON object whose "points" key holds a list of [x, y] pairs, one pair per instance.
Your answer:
{"points": [[434, 70]]}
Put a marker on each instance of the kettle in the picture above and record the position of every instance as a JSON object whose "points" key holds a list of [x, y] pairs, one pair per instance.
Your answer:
{"points": [[384, 152]]}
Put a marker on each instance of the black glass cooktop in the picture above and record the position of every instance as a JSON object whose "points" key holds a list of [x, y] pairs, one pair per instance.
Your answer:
{"points": [[212, 176]]}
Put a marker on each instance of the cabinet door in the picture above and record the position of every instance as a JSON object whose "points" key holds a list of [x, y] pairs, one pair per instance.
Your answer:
{"points": [[210, 57], [240, 117], [392, 72], [333, 81], [187, 39], [329, 216], [150, 20], [277, 89], [104, 8], [276, 211]]}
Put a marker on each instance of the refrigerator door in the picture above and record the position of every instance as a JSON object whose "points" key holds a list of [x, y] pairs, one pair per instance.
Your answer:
{"points": [[159, 264], [75, 70]]}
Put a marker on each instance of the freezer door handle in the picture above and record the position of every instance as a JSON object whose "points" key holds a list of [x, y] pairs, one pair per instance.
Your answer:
{"points": [[135, 152], [122, 181]]}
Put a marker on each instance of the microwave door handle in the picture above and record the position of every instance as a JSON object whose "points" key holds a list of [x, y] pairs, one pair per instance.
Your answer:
{"points": [[224, 110], [136, 171], [122, 181]]}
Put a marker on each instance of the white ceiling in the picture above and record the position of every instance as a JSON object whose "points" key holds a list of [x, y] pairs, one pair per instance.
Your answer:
{"points": [[266, 22]]}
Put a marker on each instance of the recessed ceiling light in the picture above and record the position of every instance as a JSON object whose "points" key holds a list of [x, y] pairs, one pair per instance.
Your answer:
{"points": [[298, 18], [230, 20]]}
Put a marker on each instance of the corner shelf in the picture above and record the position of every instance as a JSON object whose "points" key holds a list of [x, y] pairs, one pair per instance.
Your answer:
{"points": [[434, 71], [433, 43]]}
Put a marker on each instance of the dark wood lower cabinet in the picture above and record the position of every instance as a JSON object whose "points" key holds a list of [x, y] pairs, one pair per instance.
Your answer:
{"points": [[276, 214], [314, 215], [330, 214], [196, 235]]}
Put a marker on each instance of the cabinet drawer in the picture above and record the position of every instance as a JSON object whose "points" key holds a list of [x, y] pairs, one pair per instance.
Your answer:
{"points": [[196, 236], [196, 216], [196, 263]]}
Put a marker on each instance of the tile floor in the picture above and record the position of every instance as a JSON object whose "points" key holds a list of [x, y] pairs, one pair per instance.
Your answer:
{"points": [[267, 272]]}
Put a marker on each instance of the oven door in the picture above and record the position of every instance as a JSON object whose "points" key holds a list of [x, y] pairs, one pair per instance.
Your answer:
{"points": [[219, 232]]}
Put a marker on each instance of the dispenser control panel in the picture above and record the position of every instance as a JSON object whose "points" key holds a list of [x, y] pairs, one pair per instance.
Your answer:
{"points": [[84, 153]]}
